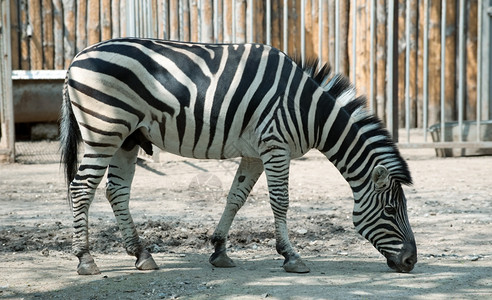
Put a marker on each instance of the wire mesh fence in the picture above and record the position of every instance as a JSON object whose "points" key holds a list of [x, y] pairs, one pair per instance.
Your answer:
{"points": [[38, 152]]}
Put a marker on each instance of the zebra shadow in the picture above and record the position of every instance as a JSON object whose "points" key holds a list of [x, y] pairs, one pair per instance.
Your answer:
{"points": [[189, 276]]}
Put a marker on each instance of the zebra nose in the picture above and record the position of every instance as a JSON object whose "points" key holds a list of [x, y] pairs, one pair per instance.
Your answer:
{"points": [[409, 261], [408, 257]]}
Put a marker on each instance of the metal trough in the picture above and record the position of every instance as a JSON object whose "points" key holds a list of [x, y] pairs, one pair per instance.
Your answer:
{"points": [[452, 134], [37, 95]]}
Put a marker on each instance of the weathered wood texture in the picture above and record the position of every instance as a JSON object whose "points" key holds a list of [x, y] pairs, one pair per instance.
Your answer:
{"points": [[46, 34]]}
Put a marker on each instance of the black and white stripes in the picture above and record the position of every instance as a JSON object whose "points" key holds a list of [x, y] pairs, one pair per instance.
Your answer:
{"points": [[222, 101]]}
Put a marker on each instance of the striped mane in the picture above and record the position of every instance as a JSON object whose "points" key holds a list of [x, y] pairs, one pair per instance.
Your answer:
{"points": [[356, 107]]}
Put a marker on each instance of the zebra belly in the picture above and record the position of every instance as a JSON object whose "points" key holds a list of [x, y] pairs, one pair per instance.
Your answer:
{"points": [[165, 136]]}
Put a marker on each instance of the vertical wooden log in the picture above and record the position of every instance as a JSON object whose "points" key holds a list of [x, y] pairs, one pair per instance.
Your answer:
{"points": [[330, 23], [240, 21], [35, 41], [185, 36], [344, 35], [277, 21], [58, 34], [48, 39], [24, 40], [194, 22], [259, 31], [228, 21], [115, 18], [471, 60], [69, 36], [155, 16], [81, 30], [326, 47], [308, 29], [450, 73], [311, 29], [15, 34], [434, 60], [206, 21], [294, 38], [105, 20], [362, 51], [93, 22], [174, 19], [315, 15], [291, 28], [381, 46], [7, 130]]}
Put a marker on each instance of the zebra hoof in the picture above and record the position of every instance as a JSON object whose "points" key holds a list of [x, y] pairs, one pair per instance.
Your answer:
{"points": [[87, 266], [88, 269], [221, 260], [146, 263], [296, 266]]}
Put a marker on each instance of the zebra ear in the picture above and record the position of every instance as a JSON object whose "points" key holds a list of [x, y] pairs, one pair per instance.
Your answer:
{"points": [[380, 176]]}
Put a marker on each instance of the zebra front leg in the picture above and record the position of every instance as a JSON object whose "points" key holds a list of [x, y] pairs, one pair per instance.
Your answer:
{"points": [[120, 177], [82, 190], [277, 173], [247, 174]]}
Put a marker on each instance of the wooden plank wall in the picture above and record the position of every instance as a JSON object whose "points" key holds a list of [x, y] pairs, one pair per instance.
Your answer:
{"points": [[46, 34]]}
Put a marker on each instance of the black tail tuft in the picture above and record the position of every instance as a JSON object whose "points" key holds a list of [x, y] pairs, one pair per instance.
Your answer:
{"points": [[69, 139]]}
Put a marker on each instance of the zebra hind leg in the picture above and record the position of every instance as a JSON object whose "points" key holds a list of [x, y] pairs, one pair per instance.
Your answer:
{"points": [[82, 190], [246, 176], [276, 165], [120, 176]]}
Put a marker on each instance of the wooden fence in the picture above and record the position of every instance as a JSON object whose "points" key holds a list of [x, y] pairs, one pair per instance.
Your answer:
{"points": [[46, 34]]}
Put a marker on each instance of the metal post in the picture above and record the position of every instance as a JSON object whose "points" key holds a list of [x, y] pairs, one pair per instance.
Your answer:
{"points": [[443, 66], [199, 16], [269, 22], [233, 21], [181, 19], [285, 25], [407, 72], [485, 65], [250, 20], [479, 70], [165, 20], [130, 17], [354, 42], [392, 85], [7, 137], [320, 30], [303, 31], [426, 69], [372, 103], [461, 67], [216, 20], [337, 36]]}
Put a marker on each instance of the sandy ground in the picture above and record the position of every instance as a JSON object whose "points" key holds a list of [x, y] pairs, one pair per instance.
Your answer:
{"points": [[177, 203]]}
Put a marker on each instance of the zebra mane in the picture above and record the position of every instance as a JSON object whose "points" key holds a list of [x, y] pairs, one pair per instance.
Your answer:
{"points": [[341, 89]]}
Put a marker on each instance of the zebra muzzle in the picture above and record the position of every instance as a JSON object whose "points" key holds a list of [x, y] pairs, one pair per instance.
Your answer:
{"points": [[405, 261]]}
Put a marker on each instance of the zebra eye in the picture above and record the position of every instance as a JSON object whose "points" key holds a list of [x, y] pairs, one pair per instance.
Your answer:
{"points": [[390, 210]]}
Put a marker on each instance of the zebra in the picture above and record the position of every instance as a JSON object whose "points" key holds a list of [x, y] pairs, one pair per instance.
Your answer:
{"points": [[220, 101]]}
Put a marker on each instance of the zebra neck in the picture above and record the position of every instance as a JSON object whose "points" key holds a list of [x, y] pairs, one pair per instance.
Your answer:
{"points": [[351, 145]]}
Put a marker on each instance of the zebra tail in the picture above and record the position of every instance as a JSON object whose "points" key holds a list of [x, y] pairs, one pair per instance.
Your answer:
{"points": [[69, 140]]}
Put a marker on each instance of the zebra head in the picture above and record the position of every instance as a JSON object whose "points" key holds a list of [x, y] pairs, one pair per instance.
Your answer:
{"points": [[380, 215]]}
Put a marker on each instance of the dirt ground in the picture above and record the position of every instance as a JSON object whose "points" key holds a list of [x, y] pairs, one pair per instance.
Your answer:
{"points": [[177, 203]]}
